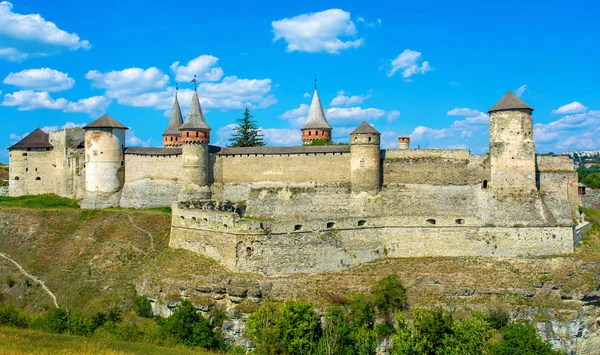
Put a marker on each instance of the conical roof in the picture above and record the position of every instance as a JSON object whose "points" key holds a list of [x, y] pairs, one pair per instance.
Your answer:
{"points": [[35, 139], [365, 128], [510, 101], [195, 119], [106, 122], [175, 121], [316, 116]]}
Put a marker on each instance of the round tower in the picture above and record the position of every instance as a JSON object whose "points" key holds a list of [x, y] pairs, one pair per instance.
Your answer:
{"points": [[171, 136], [104, 162], [512, 150], [365, 159], [403, 142], [316, 126], [194, 135]]}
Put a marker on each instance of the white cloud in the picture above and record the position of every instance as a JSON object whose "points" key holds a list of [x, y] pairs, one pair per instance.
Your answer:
{"points": [[409, 62], [342, 100], [202, 66], [573, 107], [297, 116], [133, 141], [373, 24], [578, 131], [306, 95], [43, 79], [353, 113], [30, 35], [49, 129], [27, 100], [15, 137], [467, 112], [129, 81], [318, 32], [281, 136], [393, 115], [519, 92]]}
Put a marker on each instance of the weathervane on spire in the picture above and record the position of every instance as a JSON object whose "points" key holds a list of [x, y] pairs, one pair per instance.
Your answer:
{"points": [[315, 81], [194, 81]]}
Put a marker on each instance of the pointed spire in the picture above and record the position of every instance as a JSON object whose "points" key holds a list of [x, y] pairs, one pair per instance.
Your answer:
{"points": [[510, 101], [316, 116], [176, 119], [195, 119]]}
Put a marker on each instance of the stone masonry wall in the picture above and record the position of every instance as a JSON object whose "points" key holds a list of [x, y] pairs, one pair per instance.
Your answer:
{"points": [[290, 168], [323, 245], [151, 180]]}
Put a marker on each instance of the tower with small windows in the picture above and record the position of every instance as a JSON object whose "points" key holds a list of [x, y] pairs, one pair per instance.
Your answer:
{"points": [[403, 142], [365, 159], [194, 135], [104, 162], [512, 150], [316, 126], [171, 135]]}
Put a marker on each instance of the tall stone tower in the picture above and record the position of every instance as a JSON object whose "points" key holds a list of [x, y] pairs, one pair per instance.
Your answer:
{"points": [[316, 126], [194, 137], [105, 170], [512, 150], [365, 159], [171, 134]]}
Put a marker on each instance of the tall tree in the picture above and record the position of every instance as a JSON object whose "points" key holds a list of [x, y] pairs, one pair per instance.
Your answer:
{"points": [[246, 133]]}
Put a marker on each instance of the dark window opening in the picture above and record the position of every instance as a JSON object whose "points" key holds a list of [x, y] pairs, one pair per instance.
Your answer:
{"points": [[16, 178], [298, 227], [459, 221], [330, 225], [193, 218], [182, 217], [187, 134], [309, 132], [24, 154], [369, 139], [361, 222], [484, 185], [431, 221], [196, 134], [249, 251], [38, 178]]}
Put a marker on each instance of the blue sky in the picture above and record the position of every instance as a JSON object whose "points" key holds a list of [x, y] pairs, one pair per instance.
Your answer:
{"points": [[430, 70]]}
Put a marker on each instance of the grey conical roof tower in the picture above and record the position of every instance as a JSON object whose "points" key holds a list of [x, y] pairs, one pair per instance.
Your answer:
{"points": [[510, 101], [195, 119], [316, 116], [175, 121], [365, 128]]}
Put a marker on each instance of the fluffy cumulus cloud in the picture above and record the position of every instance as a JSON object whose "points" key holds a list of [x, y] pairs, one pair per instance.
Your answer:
{"points": [[149, 88], [342, 100], [393, 115], [27, 100], [272, 136], [203, 67], [49, 129], [409, 62], [573, 107], [131, 140], [577, 129], [328, 31], [43, 79], [24, 36], [346, 114], [469, 130]]}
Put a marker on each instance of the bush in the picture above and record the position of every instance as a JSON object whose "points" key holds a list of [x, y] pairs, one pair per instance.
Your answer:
{"points": [[389, 294], [142, 306], [522, 339], [498, 318], [11, 316], [55, 321], [190, 328]]}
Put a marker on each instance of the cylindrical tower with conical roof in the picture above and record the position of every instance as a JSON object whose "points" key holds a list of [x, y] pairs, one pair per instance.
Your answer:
{"points": [[172, 134], [316, 126], [365, 159], [512, 150], [194, 135]]}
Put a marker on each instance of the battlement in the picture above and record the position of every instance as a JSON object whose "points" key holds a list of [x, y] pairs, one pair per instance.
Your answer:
{"points": [[458, 154]]}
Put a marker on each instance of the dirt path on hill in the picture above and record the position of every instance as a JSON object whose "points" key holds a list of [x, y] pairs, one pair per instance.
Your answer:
{"points": [[141, 230], [35, 279]]}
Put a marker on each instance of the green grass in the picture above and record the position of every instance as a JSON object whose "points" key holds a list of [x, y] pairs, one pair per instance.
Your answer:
{"points": [[592, 215], [22, 341], [46, 201]]}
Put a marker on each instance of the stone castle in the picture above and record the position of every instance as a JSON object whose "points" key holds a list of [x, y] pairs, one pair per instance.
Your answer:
{"points": [[316, 208]]}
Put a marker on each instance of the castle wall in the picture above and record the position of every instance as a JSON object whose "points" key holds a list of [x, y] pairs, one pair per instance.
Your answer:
{"points": [[558, 183], [434, 167], [69, 160], [291, 168], [316, 245], [151, 180]]}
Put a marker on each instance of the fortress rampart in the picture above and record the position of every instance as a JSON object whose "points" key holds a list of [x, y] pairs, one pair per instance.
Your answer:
{"points": [[318, 208]]}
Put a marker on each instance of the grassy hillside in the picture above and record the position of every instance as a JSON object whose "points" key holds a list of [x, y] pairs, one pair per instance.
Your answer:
{"points": [[93, 260], [3, 175], [19, 341]]}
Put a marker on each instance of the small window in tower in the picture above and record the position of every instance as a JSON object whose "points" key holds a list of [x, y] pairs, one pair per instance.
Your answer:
{"points": [[330, 224], [187, 134], [298, 227], [317, 133], [309, 133], [459, 221], [369, 139], [484, 185], [38, 178], [24, 154], [16, 178], [431, 221], [35, 169], [362, 222], [362, 163], [196, 134], [171, 138]]}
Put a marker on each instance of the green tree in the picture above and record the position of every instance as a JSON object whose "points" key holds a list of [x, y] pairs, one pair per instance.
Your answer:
{"points": [[263, 329], [389, 294], [299, 327], [189, 327], [522, 339], [142, 306], [246, 132]]}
